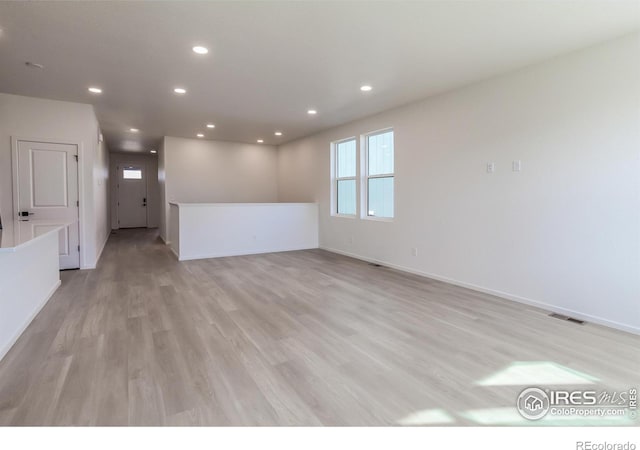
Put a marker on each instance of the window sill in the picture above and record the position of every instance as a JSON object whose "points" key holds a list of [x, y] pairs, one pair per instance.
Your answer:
{"points": [[345, 216], [378, 219]]}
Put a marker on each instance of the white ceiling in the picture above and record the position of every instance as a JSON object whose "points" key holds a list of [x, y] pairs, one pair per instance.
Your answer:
{"points": [[271, 61]]}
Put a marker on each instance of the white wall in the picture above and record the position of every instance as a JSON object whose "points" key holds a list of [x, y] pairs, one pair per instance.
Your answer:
{"points": [[204, 171], [153, 189], [101, 196], [564, 233], [162, 191], [28, 277], [174, 229], [200, 230], [34, 118]]}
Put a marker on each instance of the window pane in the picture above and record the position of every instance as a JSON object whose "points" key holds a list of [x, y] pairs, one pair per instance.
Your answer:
{"points": [[346, 196], [380, 153], [346, 159], [380, 197], [132, 174]]}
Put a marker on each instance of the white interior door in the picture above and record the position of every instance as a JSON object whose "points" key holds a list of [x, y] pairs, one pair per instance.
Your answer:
{"points": [[46, 188], [132, 196]]}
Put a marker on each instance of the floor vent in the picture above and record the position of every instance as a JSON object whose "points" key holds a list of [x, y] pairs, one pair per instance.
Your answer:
{"points": [[375, 264], [558, 316], [567, 318]]}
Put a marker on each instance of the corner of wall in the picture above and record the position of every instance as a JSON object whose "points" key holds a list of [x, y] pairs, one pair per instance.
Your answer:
{"points": [[162, 176]]}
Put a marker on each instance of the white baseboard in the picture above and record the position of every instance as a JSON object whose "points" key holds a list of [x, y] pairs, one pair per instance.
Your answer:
{"points": [[252, 252], [5, 349], [505, 295]]}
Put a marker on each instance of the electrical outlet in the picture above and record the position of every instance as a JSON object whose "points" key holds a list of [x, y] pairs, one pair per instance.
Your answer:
{"points": [[491, 167], [414, 251]]}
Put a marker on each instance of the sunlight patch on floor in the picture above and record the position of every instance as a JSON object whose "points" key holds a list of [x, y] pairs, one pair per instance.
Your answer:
{"points": [[536, 373], [427, 417]]}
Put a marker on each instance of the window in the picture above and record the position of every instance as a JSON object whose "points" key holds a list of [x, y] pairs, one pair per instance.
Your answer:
{"points": [[345, 177], [379, 174], [132, 174], [364, 181]]}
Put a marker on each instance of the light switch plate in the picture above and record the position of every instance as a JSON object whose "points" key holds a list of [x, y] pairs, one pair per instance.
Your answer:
{"points": [[516, 165]]}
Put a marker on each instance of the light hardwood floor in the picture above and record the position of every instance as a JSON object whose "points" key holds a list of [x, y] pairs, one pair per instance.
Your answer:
{"points": [[296, 338]]}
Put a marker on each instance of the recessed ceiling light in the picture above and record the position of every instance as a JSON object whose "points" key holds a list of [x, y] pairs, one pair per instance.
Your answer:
{"points": [[154, 151], [200, 50], [133, 130], [180, 90], [95, 90], [260, 141], [210, 125], [278, 133], [312, 112], [365, 88], [200, 135]]}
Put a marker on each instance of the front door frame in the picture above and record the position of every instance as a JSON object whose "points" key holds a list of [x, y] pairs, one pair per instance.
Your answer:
{"points": [[123, 164]]}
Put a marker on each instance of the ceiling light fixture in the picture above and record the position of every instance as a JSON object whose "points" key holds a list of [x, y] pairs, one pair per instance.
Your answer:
{"points": [[312, 112], [210, 125], [180, 90], [200, 135], [278, 133], [260, 141], [365, 88], [200, 50], [133, 130], [95, 90], [154, 151]]}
